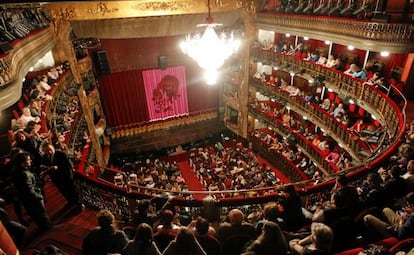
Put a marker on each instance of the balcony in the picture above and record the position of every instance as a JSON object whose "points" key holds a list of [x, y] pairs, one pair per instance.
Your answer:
{"points": [[16, 63], [362, 34]]}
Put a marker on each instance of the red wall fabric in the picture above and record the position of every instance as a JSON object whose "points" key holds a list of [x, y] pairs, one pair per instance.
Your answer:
{"points": [[123, 92]]}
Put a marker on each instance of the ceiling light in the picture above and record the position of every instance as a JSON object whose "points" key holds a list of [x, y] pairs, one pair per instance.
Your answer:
{"points": [[384, 53], [210, 50]]}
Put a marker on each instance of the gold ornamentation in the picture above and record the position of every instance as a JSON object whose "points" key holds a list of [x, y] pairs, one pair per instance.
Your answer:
{"points": [[164, 6], [60, 15], [102, 8], [247, 5]]}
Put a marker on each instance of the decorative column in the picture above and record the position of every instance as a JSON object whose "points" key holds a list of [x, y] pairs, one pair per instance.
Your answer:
{"points": [[64, 49], [88, 104]]}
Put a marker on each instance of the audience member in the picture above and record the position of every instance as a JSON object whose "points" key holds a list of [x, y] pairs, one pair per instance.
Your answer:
{"points": [[29, 192], [143, 242], [184, 244], [399, 224], [271, 241], [318, 243], [105, 238]]}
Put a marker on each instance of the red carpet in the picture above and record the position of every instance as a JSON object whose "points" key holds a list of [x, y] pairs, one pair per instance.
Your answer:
{"points": [[190, 178]]}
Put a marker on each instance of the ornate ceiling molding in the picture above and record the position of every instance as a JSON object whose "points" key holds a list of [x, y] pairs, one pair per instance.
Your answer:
{"points": [[75, 11]]}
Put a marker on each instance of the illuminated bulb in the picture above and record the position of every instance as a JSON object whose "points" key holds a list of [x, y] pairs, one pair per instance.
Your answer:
{"points": [[305, 38], [287, 35], [351, 101], [384, 53], [327, 42], [350, 47], [31, 69]]}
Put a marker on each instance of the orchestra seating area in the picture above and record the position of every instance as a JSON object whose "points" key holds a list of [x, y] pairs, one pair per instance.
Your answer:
{"points": [[309, 157]]}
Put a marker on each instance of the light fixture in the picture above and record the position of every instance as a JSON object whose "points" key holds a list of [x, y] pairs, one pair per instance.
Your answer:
{"points": [[210, 50], [384, 53], [327, 42], [287, 35], [350, 47], [305, 38]]}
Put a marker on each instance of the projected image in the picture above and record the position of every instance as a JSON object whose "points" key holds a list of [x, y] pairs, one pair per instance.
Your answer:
{"points": [[166, 92]]}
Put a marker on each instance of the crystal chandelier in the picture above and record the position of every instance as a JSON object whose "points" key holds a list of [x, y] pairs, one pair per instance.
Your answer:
{"points": [[210, 50]]}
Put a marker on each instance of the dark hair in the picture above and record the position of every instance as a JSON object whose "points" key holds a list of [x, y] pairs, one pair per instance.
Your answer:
{"points": [[105, 218], [143, 233], [409, 198], [202, 226], [143, 205], [21, 157], [271, 212], [342, 180], [185, 242]]}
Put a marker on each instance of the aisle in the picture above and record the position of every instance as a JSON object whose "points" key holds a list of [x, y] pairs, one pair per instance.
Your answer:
{"points": [[190, 178]]}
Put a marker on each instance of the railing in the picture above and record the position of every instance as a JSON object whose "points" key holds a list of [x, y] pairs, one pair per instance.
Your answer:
{"points": [[326, 121], [375, 31], [375, 101], [306, 146], [144, 127]]}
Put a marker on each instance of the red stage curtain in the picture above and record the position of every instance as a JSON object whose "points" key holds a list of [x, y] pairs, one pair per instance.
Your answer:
{"points": [[123, 96]]}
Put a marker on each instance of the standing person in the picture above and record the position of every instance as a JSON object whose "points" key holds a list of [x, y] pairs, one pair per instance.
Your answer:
{"points": [[60, 169], [143, 243], [292, 209], [28, 191], [105, 238]]}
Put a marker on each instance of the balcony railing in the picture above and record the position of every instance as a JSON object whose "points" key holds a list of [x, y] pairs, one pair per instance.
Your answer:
{"points": [[368, 30], [373, 100], [324, 120], [304, 144]]}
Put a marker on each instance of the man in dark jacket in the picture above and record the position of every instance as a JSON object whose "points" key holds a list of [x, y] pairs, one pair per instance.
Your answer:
{"points": [[60, 168]]}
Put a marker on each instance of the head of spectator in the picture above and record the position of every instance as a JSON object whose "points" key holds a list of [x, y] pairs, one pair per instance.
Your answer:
{"points": [[105, 219], [271, 212], [144, 206], [23, 160], [270, 241], [236, 217], [322, 236], [48, 149], [201, 226], [185, 242], [19, 136], [144, 233]]}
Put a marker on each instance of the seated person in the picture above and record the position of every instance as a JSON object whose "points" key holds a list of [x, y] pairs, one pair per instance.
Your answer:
{"points": [[26, 117], [339, 109], [330, 62], [399, 224], [319, 242], [356, 72], [322, 60]]}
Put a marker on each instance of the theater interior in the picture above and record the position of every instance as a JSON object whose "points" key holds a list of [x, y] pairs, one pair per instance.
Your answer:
{"points": [[286, 92]]}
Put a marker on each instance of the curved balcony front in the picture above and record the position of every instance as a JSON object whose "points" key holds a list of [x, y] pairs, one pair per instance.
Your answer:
{"points": [[16, 63], [363, 34]]}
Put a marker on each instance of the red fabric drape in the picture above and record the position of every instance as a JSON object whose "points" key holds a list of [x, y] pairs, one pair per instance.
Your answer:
{"points": [[123, 96]]}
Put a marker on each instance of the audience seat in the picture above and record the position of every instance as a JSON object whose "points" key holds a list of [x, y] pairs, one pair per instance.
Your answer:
{"points": [[405, 245], [354, 251]]}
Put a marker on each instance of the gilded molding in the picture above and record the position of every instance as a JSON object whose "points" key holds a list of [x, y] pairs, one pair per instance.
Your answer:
{"points": [[165, 6], [248, 6], [102, 8]]}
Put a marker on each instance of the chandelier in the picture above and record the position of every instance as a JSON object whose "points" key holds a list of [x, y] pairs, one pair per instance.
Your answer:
{"points": [[209, 49]]}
